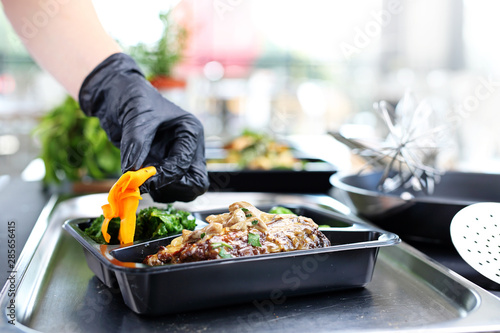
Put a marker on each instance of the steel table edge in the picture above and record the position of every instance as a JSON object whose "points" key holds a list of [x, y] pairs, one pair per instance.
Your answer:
{"points": [[22, 264]]}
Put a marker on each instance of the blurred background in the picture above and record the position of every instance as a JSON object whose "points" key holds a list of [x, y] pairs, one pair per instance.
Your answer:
{"points": [[294, 68]]}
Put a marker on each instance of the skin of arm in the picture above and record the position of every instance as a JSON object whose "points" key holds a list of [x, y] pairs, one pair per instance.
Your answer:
{"points": [[65, 37]]}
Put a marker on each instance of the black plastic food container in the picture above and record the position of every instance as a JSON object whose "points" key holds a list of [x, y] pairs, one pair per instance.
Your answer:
{"points": [[348, 263], [312, 177]]}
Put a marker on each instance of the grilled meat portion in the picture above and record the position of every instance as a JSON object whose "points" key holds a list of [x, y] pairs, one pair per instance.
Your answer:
{"points": [[243, 231]]}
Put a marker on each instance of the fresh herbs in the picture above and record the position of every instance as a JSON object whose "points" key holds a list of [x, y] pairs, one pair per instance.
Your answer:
{"points": [[160, 58], [216, 245], [255, 222], [245, 210], [74, 146], [223, 254], [254, 240], [152, 222]]}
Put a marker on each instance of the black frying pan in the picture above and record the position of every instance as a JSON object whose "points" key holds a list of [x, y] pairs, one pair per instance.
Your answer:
{"points": [[418, 216]]}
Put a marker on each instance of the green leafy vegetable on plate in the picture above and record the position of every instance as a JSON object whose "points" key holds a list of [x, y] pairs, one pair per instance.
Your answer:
{"points": [[254, 240], [152, 222]]}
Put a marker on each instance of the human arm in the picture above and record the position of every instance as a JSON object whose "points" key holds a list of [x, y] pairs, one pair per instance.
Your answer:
{"points": [[65, 37], [148, 129]]}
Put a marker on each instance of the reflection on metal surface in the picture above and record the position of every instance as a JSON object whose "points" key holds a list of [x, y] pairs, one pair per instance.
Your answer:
{"points": [[34, 171], [4, 180], [9, 144], [408, 292]]}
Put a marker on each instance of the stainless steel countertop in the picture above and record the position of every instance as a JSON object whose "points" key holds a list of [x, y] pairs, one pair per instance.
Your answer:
{"points": [[56, 291]]}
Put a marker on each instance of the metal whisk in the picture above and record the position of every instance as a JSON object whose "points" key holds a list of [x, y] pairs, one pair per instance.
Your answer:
{"points": [[408, 154]]}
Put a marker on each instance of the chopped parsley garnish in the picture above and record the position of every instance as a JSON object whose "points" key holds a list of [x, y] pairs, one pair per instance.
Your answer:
{"points": [[245, 209], [248, 215], [254, 240], [254, 222], [223, 254], [221, 244], [202, 235]]}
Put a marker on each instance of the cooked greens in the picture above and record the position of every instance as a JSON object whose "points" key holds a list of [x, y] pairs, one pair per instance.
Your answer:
{"points": [[152, 222], [94, 231], [280, 210]]}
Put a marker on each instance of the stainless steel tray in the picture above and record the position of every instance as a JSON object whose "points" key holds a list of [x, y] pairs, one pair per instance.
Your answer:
{"points": [[56, 291]]}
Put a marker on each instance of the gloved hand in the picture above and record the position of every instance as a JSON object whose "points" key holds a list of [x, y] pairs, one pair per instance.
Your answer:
{"points": [[148, 129]]}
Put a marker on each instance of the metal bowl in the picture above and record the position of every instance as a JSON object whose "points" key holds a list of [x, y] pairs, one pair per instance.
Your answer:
{"points": [[414, 215]]}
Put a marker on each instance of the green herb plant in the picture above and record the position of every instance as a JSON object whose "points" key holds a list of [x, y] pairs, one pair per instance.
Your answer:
{"points": [[160, 59], [74, 146]]}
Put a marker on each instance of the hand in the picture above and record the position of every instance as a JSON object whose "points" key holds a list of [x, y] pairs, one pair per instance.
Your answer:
{"points": [[148, 129]]}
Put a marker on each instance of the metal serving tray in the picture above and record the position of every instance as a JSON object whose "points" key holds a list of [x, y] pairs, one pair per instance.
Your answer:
{"points": [[348, 263], [57, 292]]}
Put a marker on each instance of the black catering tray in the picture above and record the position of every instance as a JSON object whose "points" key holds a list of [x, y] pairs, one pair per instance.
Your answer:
{"points": [[312, 177], [348, 263]]}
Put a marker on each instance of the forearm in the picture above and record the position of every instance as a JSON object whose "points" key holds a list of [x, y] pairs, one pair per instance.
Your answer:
{"points": [[64, 37]]}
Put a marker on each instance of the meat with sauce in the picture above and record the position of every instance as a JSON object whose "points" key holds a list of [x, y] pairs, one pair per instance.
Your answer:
{"points": [[243, 231]]}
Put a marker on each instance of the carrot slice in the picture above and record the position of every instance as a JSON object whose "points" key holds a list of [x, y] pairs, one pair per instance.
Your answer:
{"points": [[123, 201]]}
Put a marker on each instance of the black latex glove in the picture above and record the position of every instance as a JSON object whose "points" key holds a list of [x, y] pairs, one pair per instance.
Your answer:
{"points": [[148, 129]]}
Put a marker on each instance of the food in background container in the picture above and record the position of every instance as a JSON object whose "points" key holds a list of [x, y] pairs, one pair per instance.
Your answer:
{"points": [[256, 162], [259, 151]]}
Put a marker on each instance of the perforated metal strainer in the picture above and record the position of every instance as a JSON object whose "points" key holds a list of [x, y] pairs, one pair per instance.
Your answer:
{"points": [[475, 233]]}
